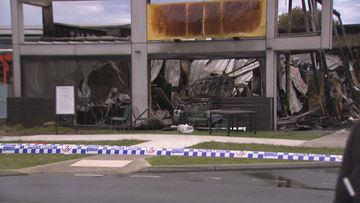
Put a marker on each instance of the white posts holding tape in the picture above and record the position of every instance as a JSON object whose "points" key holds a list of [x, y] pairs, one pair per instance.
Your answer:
{"points": [[153, 151]]}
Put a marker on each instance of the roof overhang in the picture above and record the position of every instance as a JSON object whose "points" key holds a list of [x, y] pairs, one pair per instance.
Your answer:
{"points": [[45, 3], [41, 3]]}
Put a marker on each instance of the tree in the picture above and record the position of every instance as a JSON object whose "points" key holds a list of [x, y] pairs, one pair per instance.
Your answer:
{"points": [[297, 20]]}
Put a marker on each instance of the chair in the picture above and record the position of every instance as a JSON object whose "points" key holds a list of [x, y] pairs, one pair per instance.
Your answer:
{"points": [[198, 116], [121, 119]]}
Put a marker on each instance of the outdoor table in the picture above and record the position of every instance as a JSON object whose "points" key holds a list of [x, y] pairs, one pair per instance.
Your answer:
{"points": [[233, 115]]}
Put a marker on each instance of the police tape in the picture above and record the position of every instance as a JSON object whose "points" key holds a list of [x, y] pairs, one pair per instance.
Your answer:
{"points": [[12, 148]]}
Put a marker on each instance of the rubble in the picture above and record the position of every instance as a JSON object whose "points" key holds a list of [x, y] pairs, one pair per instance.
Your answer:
{"points": [[317, 97], [317, 108], [315, 89], [200, 79]]}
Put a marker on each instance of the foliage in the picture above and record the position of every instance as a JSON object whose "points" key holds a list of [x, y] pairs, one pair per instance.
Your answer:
{"points": [[297, 20]]}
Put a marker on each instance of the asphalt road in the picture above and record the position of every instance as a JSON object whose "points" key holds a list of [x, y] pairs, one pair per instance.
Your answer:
{"points": [[306, 185]]}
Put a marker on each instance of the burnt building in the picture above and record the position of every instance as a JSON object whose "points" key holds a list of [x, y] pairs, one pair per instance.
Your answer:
{"points": [[69, 54]]}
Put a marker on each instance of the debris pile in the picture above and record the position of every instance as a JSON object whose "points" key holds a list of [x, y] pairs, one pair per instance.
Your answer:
{"points": [[318, 91], [103, 93], [184, 88], [317, 95]]}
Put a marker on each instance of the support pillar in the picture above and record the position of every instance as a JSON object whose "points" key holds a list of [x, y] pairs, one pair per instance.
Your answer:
{"points": [[17, 21], [140, 91], [271, 56], [327, 24], [271, 81], [48, 20]]}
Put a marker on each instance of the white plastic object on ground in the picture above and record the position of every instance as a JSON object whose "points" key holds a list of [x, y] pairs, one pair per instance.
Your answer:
{"points": [[185, 128]]}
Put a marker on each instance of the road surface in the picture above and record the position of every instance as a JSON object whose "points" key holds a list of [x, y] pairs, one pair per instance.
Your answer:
{"points": [[305, 185]]}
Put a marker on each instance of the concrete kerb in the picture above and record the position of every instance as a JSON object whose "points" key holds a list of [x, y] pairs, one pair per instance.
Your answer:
{"points": [[237, 167], [12, 172], [189, 168]]}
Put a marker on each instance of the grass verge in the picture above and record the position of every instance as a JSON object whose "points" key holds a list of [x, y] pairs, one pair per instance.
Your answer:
{"points": [[291, 135], [18, 161], [185, 161], [267, 148], [176, 161], [19, 130], [102, 142]]}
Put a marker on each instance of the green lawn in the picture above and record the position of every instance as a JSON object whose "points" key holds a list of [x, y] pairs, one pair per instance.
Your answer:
{"points": [[292, 135], [268, 148], [76, 142], [175, 161], [296, 135], [179, 161], [17, 161]]}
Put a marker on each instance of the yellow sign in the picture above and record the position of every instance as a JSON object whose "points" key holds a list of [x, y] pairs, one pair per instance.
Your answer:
{"points": [[208, 19]]}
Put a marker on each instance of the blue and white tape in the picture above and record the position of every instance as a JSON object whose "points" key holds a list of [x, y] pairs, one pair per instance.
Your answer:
{"points": [[153, 151]]}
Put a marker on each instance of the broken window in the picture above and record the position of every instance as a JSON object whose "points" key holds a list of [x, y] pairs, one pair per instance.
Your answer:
{"points": [[102, 84], [189, 86]]}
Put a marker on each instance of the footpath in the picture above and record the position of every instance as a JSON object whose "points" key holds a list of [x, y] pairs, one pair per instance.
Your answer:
{"points": [[108, 164]]}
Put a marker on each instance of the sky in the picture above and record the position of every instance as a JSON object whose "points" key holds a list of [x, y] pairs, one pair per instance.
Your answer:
{"points": [[115, 12]]}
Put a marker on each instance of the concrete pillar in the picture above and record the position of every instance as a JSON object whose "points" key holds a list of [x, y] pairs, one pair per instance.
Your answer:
{"points": [[271, 80], [327, 24], [271, 55], [17, 24], [139, 56]]}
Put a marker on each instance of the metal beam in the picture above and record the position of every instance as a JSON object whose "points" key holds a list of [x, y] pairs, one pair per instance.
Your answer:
{"points": [[206, 47], [75, 49], [5, 46], [294, 43], [208, 55], [40, 3]]}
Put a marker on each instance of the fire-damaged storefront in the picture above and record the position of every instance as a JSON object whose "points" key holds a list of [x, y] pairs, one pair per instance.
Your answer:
{"points": [[182, 90], [173, 64], [102, 86], [185, 90]]}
